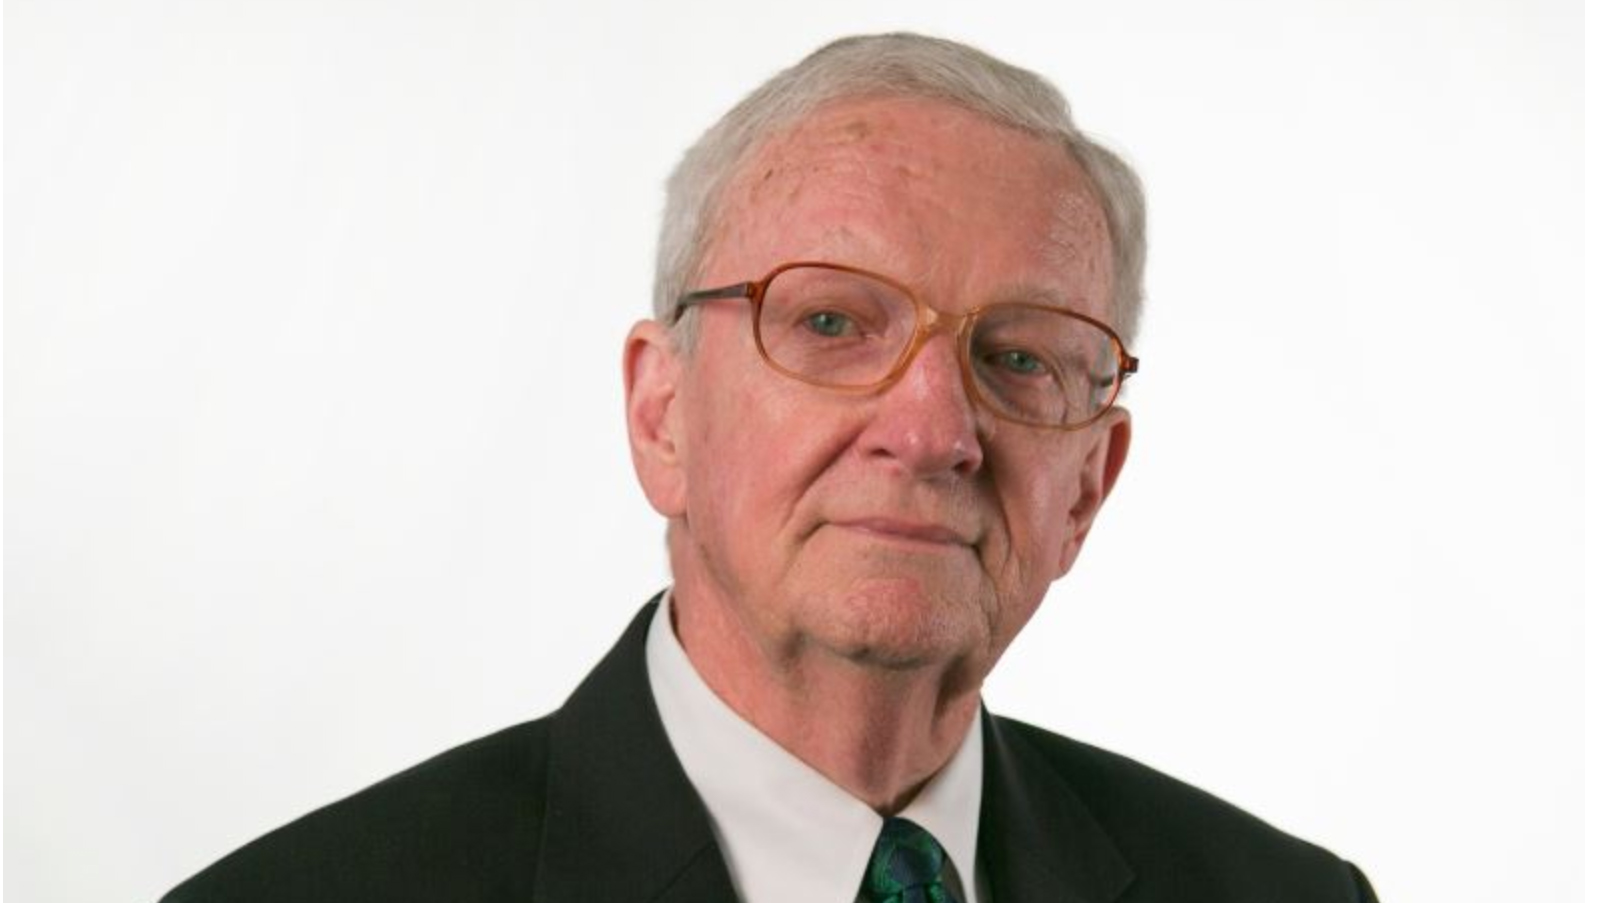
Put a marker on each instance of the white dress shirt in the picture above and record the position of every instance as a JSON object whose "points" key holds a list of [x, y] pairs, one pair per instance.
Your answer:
{"points": [[787, 833]]}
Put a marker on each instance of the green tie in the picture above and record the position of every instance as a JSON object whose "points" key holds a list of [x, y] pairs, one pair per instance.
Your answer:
{"points": [[906, 866]]}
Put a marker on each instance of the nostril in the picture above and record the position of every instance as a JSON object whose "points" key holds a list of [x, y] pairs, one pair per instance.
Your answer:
{"points": [[926, 438]]}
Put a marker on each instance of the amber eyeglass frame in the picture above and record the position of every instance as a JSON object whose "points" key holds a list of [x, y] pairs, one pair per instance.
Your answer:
{"points": [[928, 321]]}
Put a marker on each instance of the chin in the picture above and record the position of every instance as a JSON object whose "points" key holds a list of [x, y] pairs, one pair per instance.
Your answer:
{"points": [[902, 623]]}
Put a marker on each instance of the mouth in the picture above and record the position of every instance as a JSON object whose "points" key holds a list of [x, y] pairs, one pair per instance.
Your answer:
{"points": [[912, 532]]}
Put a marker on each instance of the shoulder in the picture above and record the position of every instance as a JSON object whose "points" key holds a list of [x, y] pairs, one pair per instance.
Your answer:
{"points": [[1173, 832], [1124, 793], [459, 825]]}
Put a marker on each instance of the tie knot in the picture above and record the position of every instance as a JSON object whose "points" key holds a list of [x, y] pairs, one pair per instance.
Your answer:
{"points": [[906, 866]]}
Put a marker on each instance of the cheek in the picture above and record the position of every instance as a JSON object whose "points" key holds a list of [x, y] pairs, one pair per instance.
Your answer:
{"points": [[751, 445], [1037, 503]]}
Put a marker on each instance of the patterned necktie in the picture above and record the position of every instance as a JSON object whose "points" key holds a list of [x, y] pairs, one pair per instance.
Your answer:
{"points": [[906, 866]]}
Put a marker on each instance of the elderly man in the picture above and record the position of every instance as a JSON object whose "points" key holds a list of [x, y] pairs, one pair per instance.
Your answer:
{"points": [[877, 408]]}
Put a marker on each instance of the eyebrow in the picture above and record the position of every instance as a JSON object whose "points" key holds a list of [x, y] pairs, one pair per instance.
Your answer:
{"points": [[1031, 293]]}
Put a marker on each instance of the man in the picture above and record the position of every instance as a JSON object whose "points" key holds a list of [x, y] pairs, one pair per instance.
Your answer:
{"points": [[877, 408]]}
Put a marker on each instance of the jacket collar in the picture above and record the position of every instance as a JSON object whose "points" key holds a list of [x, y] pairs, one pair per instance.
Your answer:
{"points": [[623, 823], [1039, 842]]}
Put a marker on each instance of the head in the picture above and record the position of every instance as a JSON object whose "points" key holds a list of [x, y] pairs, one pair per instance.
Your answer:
{"points": [[907, 527]]}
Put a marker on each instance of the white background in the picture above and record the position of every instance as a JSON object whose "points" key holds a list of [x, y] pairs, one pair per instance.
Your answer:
{"points": [[315, 455]]}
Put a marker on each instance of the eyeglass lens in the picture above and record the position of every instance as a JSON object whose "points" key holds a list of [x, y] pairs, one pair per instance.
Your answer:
{"points": [[1031, 364]]}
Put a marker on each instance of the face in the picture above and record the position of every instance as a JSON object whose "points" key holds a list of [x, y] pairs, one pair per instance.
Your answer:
{"points": [[904, 528]]}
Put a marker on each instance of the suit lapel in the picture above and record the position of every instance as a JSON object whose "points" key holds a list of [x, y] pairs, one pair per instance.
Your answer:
{"points": [[1038, 840], [622, 820]]}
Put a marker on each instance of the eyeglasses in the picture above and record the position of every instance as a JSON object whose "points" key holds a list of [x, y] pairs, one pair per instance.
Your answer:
{"points": [[840, 327]]}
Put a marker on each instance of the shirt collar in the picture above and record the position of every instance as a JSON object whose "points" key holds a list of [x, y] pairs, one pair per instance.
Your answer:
{"points": [[787, 832]]}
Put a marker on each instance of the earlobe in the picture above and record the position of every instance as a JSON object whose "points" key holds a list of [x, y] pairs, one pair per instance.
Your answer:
{"points": [[1100, 468], [651, 381]]}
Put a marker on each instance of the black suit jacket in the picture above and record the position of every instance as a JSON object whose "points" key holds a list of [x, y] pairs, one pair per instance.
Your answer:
{"points": [[590, 804]]}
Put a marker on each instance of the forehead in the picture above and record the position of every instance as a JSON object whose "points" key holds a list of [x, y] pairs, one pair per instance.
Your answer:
{"points": [[928, 193]]}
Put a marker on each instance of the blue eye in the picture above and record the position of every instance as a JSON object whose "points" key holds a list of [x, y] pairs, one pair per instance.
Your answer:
{"points": [[829, 323]]}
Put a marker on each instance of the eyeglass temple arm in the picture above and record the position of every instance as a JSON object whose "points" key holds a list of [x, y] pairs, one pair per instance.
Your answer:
{"points": [[690, 299], [1128, 366]]}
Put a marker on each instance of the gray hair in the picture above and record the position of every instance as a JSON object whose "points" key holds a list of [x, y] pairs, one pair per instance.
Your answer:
{"points": [[892, 65]]}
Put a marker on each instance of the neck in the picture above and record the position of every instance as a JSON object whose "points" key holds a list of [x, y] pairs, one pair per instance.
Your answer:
{"points": [[877, 732]]}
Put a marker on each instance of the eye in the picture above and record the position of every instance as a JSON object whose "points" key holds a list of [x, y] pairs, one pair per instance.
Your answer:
{"points": [[829, 323], [1016, 361]]}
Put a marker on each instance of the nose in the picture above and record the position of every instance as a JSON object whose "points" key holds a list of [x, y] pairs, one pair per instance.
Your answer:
{"points": [[925, 422]]}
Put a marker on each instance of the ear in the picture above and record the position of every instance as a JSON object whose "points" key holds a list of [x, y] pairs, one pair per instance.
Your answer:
{"points": [[1100, 468], [651, 381]]}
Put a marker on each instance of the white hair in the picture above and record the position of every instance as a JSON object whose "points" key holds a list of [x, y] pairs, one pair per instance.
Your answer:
{"points": [[890, 65]]}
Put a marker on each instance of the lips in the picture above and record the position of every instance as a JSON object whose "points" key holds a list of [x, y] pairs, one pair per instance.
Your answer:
{"points": [[911, 531]]}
